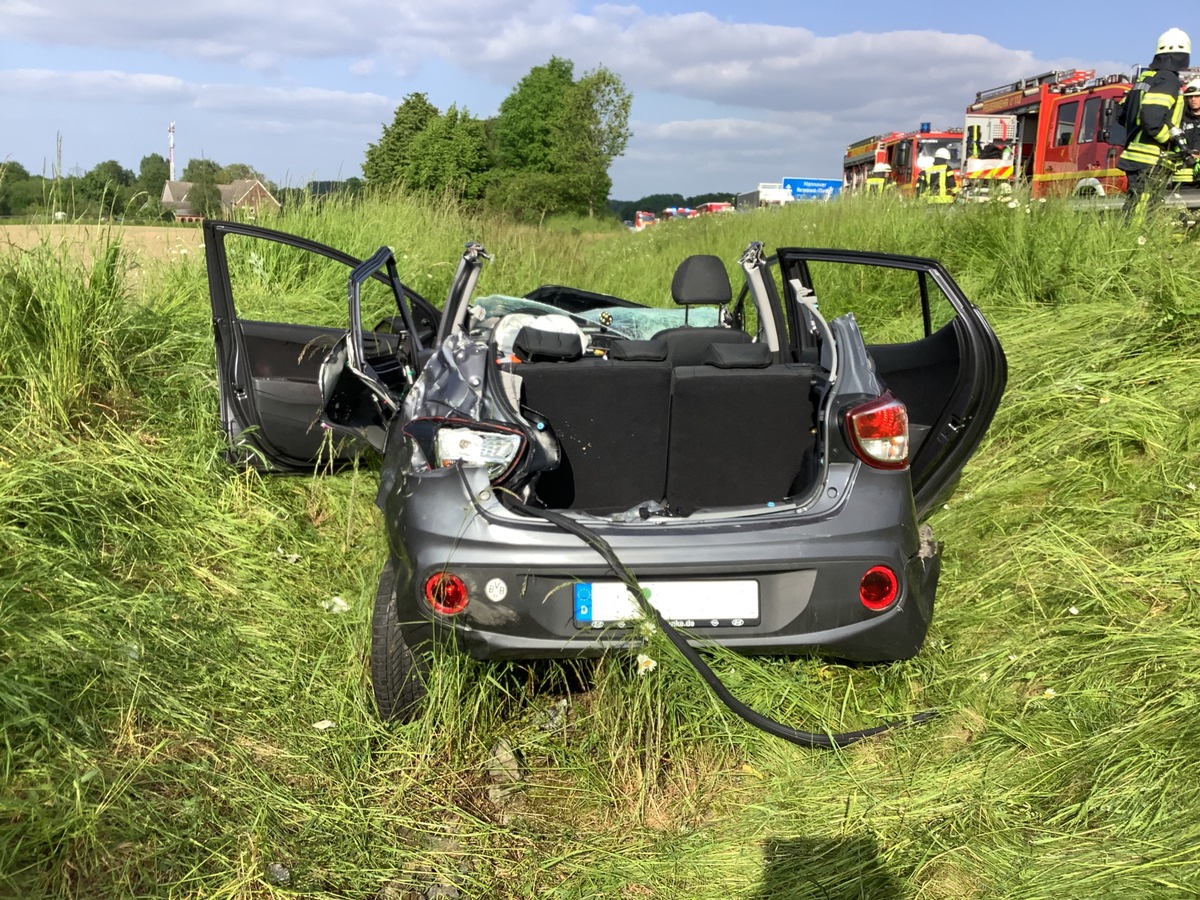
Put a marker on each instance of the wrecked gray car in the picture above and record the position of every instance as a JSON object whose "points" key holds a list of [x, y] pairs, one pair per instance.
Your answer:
{"points": [[762, 469]]}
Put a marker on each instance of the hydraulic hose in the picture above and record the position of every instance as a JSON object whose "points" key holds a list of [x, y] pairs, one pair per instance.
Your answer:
{"points": [[736, 706]]}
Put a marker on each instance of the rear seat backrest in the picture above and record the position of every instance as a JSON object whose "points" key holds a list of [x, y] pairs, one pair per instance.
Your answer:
{"points": [[740, 430], [611, 419]]}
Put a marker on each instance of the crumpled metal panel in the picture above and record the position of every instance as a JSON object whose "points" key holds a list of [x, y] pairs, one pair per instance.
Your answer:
{"points": [[451, 382]]}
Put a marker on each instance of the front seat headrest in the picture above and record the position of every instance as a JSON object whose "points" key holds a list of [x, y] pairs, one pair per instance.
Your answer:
{"points": [[701, 279]]}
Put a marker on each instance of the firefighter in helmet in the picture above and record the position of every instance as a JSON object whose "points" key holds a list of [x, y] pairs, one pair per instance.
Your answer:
{"points": [[1188, 174], [1153, 113], [937, 183], [879, 182]]}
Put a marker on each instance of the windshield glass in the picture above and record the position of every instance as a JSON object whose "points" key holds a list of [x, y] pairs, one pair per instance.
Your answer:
{"points": [[926, 149], [636, 323]]}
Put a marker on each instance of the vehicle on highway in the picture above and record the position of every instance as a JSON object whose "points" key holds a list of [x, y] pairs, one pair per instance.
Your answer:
{"points": [[759, 458]]}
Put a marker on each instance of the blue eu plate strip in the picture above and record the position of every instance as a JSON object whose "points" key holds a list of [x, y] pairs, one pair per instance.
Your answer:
{"points": [[583, 603]]}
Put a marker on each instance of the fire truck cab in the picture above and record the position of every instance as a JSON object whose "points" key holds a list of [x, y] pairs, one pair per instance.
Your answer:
{"points": [[906, 152], [1053, 131]]}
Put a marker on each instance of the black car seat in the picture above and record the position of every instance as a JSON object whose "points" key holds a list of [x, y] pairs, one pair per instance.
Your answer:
{"points": [[700, 280]]}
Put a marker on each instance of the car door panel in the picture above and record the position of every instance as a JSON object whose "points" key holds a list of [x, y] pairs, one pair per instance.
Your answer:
{"points": [[951, 377], [270, 373], [921, 373]]}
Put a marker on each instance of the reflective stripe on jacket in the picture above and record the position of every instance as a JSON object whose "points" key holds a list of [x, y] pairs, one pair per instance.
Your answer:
{"points": [[1161, 111], [937, 184]]}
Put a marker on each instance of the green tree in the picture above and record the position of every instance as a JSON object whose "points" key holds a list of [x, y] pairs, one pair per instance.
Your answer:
{"points": [[531, 116], [530, 196], [451, 154], [204, 197], [13, 171], [19, 192], [153, 173], [201, 170], [107, 185], [238, 172], [569, 130], [654, 203], [387, 160], [591, 133]]}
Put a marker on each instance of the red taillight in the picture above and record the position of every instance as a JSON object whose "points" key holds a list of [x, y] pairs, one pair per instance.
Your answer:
{"points": [[878, 432], [446, 593], [878, 588]]}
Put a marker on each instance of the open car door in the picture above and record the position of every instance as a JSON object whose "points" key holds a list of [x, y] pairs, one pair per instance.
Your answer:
{"points": [[318, 386], [931, 347]]}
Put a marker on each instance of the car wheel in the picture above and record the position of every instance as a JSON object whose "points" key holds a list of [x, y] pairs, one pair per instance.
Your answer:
{"points": [[397, 674]]}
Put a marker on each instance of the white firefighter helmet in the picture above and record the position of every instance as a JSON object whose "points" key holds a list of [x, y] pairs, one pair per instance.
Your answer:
{"points": [[1192, 88], [942, 153], [1173, 40], [884, 168]]}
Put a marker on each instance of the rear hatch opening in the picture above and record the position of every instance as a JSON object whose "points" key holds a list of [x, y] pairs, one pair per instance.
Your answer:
{"points": [[701, 418]]}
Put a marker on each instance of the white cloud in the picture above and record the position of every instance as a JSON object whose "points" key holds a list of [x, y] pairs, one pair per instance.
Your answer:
{"points": [[299, 104], [717, 130], [302, 103], [693, 55], [249, 32], [94, 86]]}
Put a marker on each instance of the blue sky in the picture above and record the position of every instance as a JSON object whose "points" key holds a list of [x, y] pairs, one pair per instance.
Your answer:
{"points": [[725, 96]]}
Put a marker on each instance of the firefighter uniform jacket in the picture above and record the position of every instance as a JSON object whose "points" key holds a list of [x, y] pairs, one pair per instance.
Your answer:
{"points": [[880, 184], [1161, 111], [937, 184], [1190, 123]]}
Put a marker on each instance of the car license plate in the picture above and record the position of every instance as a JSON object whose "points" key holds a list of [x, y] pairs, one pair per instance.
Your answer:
{"points": [[686, 604]]}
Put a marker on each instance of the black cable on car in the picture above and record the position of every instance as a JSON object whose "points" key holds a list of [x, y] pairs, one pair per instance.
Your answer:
{"points": [[758, 720]]}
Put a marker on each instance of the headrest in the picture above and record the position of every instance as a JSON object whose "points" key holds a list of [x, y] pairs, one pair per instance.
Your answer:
{"points": [[643, 350], [701, 279], [737, 356], [535, 345]]}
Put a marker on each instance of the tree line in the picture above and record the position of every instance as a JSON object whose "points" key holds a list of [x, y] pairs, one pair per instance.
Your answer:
{"points": [[110, 189], [656, 203], [547, 151]]}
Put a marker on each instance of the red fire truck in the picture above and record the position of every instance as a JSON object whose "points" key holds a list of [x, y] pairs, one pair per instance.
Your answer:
{"points": [[643, 220], [907, 152], [1053, 131]]}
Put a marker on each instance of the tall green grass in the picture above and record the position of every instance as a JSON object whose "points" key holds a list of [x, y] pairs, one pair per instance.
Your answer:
{"points": [[164, 651]]}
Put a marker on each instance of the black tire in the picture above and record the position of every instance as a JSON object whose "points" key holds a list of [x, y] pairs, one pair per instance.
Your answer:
{"points": [[397, 674]]}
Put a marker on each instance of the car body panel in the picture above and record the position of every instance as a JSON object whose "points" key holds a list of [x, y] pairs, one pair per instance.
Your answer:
{"points": [[808, 566]]}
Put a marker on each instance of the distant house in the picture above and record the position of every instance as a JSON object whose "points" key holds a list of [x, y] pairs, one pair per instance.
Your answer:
{"points": [[247, 194]]}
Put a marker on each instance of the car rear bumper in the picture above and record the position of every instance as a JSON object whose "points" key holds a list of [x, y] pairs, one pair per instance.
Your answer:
{"points": [[807, 568]]}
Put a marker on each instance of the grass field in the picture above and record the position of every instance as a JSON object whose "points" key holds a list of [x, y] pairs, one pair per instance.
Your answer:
{"points": [[144, 243], [183, 716]]}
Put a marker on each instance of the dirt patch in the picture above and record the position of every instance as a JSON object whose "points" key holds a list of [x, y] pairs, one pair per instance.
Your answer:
{"points": [[146, 243]]}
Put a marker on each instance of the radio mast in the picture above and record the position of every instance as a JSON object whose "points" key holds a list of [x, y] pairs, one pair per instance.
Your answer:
{"points": [[171, 152]]}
